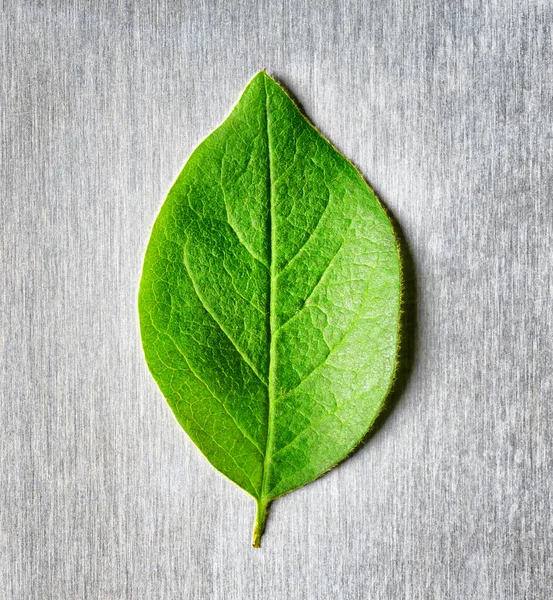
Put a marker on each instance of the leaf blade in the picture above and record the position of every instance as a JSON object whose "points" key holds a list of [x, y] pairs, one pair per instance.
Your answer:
{"points": [[280, 276]]}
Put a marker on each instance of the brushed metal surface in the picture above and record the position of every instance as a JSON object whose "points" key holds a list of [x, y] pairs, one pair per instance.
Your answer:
{"points": [[446, 107]]}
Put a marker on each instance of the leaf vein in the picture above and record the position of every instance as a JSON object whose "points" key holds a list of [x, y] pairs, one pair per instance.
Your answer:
{"points": [[354, 322], [211, 313], [206, 386]]}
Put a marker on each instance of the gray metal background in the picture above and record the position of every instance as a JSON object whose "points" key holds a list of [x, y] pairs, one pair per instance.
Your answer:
{"points": [[446, 108]]}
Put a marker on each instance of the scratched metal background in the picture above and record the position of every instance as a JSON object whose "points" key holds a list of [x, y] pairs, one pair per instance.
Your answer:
{"points": [[446, 107]]}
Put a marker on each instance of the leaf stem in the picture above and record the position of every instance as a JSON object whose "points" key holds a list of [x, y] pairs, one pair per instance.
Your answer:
{"points": [[259, 525]]}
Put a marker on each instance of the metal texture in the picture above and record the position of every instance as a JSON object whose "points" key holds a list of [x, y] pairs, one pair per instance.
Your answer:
{"points": [[446, 109]]}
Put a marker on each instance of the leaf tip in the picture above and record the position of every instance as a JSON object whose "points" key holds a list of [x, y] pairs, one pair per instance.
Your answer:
{"points": [[262, 75]]}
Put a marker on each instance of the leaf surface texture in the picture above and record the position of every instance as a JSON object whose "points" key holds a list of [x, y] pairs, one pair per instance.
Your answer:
{"points": [[270, 297]]}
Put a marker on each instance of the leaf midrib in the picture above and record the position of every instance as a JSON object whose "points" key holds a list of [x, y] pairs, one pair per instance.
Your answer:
{"points": [[272, 300]]}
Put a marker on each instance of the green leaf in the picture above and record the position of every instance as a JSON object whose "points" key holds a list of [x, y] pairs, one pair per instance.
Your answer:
{"points": [[270, 298]]}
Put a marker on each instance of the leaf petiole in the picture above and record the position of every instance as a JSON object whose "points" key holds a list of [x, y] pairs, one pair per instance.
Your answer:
{"points": [[259, 525]]}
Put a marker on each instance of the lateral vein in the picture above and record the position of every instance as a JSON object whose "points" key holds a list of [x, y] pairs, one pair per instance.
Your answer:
{"points": [[219, 324]]}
